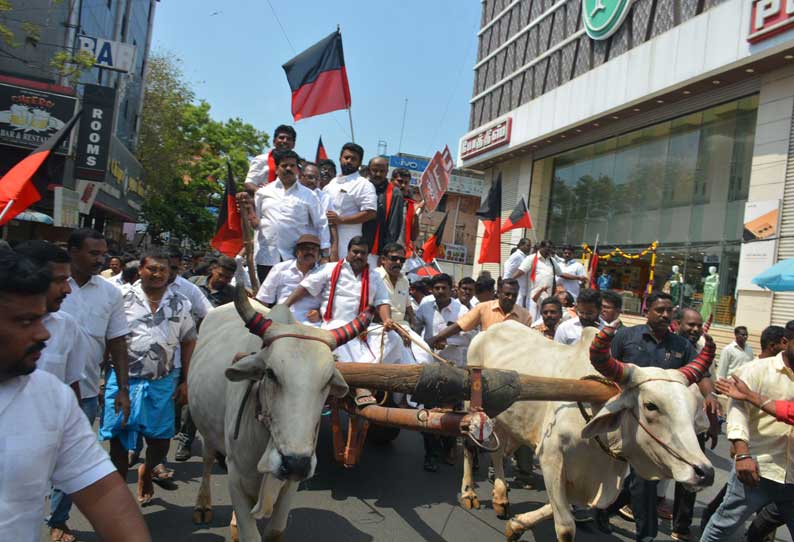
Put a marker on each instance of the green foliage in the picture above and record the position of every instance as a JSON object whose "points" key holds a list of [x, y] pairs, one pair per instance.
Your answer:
{"points": [[184, 152], [71, 65]]}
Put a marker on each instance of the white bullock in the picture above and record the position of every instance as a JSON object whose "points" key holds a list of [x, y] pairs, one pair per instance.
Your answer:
{"points": [[652, 424], [263, 411]]}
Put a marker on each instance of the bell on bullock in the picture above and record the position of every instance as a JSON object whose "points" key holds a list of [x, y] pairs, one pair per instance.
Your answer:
{"points": [[696, 369], [601, 359]]}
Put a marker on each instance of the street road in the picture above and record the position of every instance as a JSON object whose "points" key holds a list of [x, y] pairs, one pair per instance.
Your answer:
{"points": [[387, 497]]}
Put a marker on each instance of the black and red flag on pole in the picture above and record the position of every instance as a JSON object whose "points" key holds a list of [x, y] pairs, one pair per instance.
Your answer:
{"points": [[321, 154], [318, 79], [17, 191], [228, 239], [593, 270], [519, 218], [490, 212], [432, 245]]}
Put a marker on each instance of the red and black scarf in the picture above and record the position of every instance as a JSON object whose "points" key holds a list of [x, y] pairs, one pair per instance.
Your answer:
{"points": [[410, 214], [271, 167], [376, 243], [364, 301]]}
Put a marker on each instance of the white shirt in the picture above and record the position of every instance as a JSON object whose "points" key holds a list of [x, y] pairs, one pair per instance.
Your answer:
{"points": [[430, 320], [97, 306], [281, 282], [350, 194], [348, 290], [66, 350], [115, 280], [732, 357], [45, 440], [258, 170], [155, 337], [511, 266], [572, 267], [284, 215], [398, 294], [199, 304], [570, 331]]}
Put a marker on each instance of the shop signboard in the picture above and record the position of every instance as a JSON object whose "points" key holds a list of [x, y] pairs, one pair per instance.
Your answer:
{"points": [[487, 139], [602, 18], [769, 18], [29, 116], [455, 253], [414, 164], [86, 194], [123, 189], [66, 212], [761, 226], [111, 55], [467, 186], [96, 127], [435, 179]]}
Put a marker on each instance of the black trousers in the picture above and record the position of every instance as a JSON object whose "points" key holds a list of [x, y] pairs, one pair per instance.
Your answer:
{"points": [[641, 494], [684, 501], [766, 521], [187, 427], [435, 445]]}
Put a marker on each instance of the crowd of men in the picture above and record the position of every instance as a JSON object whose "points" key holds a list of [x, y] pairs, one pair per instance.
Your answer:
{"points": [[114, 347]]}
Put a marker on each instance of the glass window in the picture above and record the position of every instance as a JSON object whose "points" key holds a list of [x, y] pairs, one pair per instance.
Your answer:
{"points": [[683, 182]]}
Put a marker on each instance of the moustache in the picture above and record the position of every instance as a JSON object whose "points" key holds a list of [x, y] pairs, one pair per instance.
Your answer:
{"points": [[35, 348]]}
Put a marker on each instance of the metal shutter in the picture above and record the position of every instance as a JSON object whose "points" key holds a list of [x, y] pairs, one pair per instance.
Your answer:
{"points": [[783, 302]]}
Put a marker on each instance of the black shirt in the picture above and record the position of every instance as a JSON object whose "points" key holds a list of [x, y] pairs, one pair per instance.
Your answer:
{"points": [[391, 227], [638, 345]]}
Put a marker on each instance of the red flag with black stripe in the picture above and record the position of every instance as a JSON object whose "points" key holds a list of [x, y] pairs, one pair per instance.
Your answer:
{"points": [[432, 245], [593, 271], [490, 212], [321, 154], [17, 191], [318, 79], [519, 218], [228, 239]]}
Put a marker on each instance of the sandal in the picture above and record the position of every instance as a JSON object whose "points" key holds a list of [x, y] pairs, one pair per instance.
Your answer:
{"points": [[163, 477], [61, 533]]}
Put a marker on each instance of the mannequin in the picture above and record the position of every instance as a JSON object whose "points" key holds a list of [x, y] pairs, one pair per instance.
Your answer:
{"points": [[676, 284], [710, 287]]}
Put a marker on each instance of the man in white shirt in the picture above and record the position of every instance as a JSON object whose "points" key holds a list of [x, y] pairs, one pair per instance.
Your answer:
{"points": [[115, 265], [736, 354], [571, 272], [45, 438], [199, 304], [523, 250], [262, 168], [353, 198], [160, 326], [285, 277], [541, 271], [310, 178], [432, 318], [283, 211], [588, 314], [97, 306]]}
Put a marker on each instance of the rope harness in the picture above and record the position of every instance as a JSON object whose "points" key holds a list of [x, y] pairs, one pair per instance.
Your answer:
{"points": [[616, 455]]}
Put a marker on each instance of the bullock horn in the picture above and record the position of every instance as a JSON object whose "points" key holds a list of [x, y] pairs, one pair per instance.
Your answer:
{"points": [[254, 321], [352, 329], [696, 369], [600, 356]]}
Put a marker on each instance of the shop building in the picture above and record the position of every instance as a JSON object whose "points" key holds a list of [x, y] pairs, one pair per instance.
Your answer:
{"points": [[652, 120]]}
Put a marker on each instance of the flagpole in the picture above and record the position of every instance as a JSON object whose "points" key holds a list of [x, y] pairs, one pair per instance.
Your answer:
{"points": [[350, 117], [6, 209]]}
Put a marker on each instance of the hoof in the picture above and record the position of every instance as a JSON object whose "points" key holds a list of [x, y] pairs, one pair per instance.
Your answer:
{"points": [[513, 531], [202, 516], [235, 534], [274, 536], [470, 502], [502, 509]]}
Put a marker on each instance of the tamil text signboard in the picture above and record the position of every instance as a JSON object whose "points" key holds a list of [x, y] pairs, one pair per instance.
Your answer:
{"points": [[29, 116], [435, 179], [487, 139]]}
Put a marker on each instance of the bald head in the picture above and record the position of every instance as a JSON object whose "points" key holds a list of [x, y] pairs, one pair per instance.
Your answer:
{"points": [[378, 170]]}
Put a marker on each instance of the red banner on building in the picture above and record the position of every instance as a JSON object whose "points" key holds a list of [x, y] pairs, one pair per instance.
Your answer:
{"points": [[770, 17], [435, 179]]}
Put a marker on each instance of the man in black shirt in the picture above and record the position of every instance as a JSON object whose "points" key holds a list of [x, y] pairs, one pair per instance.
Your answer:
{"points": [[649, 345], [216, 286]]}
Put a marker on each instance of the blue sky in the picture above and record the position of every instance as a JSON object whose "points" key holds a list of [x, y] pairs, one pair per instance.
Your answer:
{"points": [[232, 54]]}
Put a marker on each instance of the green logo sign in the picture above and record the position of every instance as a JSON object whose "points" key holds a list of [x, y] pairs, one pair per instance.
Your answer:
{"points": [[603, 17]]}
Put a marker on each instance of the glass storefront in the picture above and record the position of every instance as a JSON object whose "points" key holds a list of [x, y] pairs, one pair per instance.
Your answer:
{"points": [[683, 182]]}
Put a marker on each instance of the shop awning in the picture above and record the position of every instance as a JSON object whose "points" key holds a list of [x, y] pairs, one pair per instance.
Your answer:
{"points": [[34, 216], [778, 278]]}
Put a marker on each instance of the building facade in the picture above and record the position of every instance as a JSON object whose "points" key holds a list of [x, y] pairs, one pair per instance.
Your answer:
{"points": [[628, 123], [112, 195]]}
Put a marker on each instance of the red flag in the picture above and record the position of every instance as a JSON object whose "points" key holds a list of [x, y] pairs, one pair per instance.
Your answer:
{"points": [[427, 270], [519, 218], [490, 212], [318, 79], [321, 154], [229, 238], [17, 191], [594, 271], [432, 245]]}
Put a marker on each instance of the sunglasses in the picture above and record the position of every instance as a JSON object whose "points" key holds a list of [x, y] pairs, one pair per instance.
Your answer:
{"points": [[400, 259]]}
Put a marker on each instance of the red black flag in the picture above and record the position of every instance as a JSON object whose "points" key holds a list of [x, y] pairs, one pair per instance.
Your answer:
{"points": [[593, 270], [321, 154], [229, 238], [318, 79], [17, 191], [427, 270], [519, 218], [490, 212], [432, 245]]}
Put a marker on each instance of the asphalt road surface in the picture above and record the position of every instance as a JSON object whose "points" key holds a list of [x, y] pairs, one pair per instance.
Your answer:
{"points": [[387, 497]]}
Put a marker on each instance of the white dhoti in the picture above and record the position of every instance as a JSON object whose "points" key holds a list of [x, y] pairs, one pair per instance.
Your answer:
{"points": [[355, 350]]}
